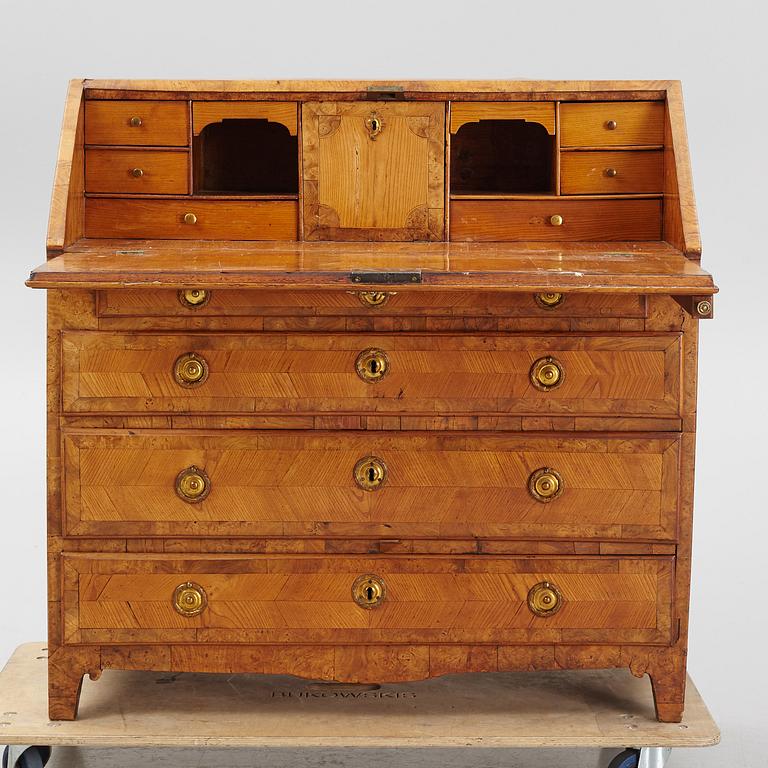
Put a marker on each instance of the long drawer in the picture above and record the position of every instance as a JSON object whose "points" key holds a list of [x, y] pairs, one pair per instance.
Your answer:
{"points": [[307, 599], [195, 303], [375, 484], [371, 373]]}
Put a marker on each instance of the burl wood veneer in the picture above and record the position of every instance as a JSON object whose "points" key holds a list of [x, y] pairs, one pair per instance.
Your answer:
{"points": [[371, 382]]}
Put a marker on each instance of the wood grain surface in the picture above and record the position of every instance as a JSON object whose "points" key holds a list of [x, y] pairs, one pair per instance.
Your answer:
{"points": [[161, 123], [638, 123], [588, 172], [114, 170]]}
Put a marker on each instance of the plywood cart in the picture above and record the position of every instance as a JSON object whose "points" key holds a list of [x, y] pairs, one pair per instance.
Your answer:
{"points": [[609, 710]]}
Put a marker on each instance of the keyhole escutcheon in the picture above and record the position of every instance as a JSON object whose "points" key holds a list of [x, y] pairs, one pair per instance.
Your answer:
{"points": [[372, 365], [369, 590], [370, 473]]}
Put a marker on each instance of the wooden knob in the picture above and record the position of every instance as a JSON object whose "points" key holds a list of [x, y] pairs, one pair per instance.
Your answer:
{"points": [[189, 599], [190, 218], [372, 365], [193, 484], [547, 373], [370, 473], [135, 122], [190, 370], [611, 172], [369, 590], [611, 125], [556, 220], [137, 173], [544, 599], [545, 484]]}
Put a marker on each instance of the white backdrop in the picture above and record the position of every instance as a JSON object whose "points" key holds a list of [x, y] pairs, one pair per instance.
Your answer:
{"points": [[716, 49]]}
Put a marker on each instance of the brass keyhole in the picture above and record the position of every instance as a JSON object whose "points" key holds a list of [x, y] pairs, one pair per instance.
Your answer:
{"points": [[372, 365], [370, 473], [374, 126], [369, 590]]}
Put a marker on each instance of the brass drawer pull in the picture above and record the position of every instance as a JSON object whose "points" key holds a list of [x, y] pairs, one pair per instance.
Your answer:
{"points": [[137, 173], [135, 122], [556, 220], [611, 173], [544, 599], [370, 473], [545, 484], [190, 370], [369, 591], [374, 298], [549, 300], [611, 125], [189, 599], [190, 218], [372, 365], [193, 484], [547, 373], [194, 298]]}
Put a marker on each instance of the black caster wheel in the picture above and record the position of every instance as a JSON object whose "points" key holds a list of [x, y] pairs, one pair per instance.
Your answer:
{"points": [[31, 757], [629, 758]]}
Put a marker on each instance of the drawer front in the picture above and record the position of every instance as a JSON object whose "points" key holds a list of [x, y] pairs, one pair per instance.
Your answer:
{"points": [[137, 123], [135, 171], [612, 124], [301, 484], [244, 303], [192, 219], [557, 219], [319, 373], [611, 172], [263, 599]]}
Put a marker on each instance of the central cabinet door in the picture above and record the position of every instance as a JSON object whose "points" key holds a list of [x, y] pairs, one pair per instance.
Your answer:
{"points": [[373, 170]]}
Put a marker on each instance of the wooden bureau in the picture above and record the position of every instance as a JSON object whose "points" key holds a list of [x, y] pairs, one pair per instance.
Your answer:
{"points": [[371, 382]]}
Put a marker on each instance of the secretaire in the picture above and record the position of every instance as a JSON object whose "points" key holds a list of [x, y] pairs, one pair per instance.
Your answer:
{"points": [[371, 382]]}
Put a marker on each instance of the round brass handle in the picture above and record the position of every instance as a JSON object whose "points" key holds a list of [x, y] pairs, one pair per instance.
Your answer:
{"points": [[193, 484], [189, 599], [611, 173], [544, 599], [190, 218], [370, 473], [372, 365], [137, 173], [190, 370], [549, 300], [545, 484], [704, 307], [611, 125], [374, 298], [369, 590], [135, 122], [547, 373], [556, 220], [194, 298]]}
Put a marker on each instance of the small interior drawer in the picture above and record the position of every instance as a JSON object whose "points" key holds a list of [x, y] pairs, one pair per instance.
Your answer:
{"points": [[137, 123], [628, 171], [137, 171], [556, 219], [612, 124], [192, 219]]}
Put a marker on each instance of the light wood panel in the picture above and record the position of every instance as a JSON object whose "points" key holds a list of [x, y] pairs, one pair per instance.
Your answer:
{"points": [[389, 186], [470, 112], [161, 123], [433, 374], [207, 112], [591, 172], [111, 599], [236, 220], [301, 484], [135, 171], [587, 125], [492, 220]]}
